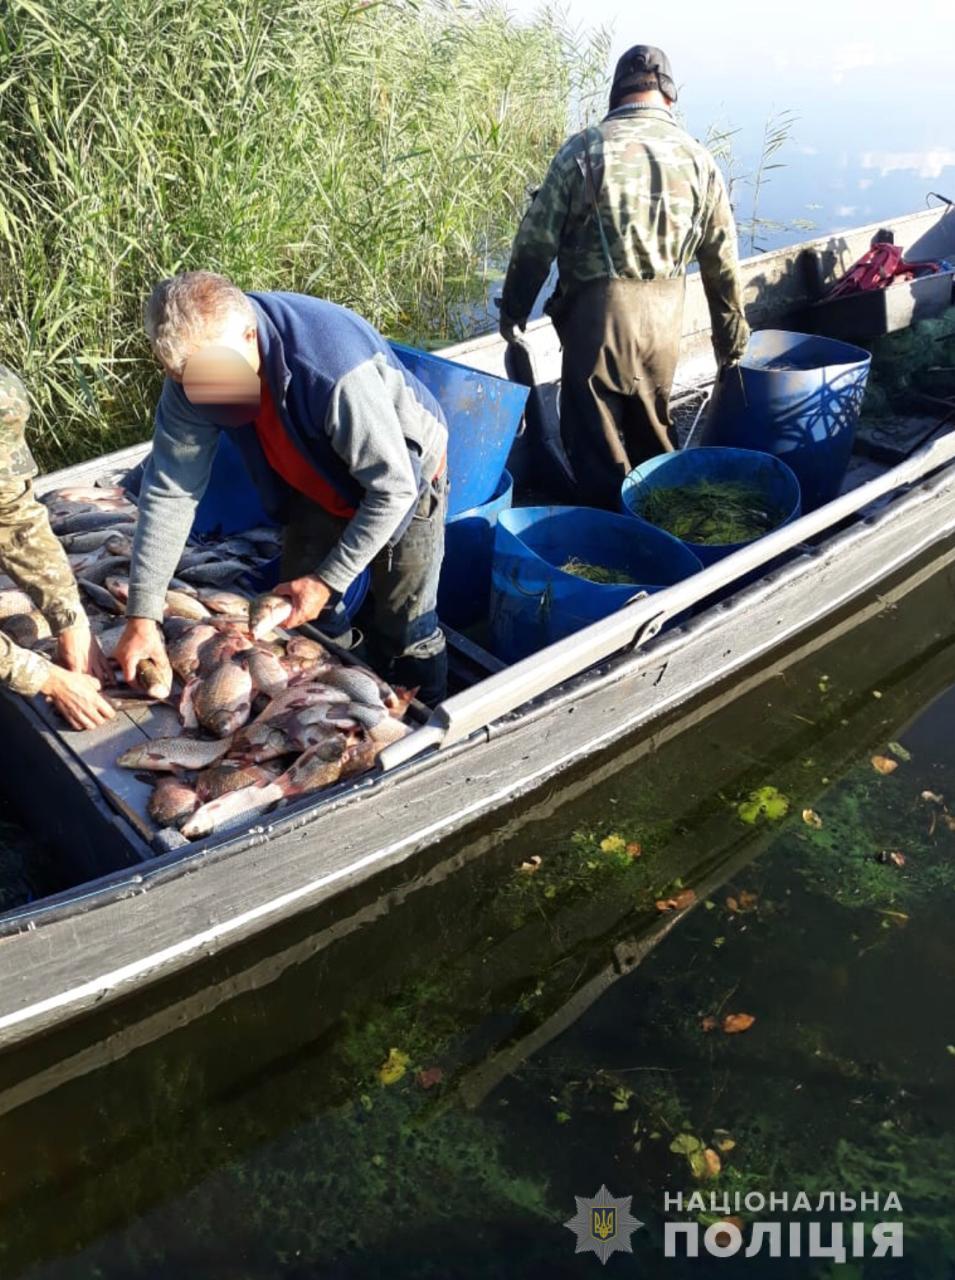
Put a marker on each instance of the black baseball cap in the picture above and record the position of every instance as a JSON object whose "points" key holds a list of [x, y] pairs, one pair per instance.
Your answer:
{"points": [[633, 68]]}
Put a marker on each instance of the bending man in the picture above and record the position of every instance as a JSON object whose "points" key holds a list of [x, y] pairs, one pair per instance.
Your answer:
{"points": [[347, 449]]}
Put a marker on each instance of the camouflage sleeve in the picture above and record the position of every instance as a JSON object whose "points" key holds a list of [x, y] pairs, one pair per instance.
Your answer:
{"points": [[719, 267], [538, 238], [32, 556], [20, 670]]}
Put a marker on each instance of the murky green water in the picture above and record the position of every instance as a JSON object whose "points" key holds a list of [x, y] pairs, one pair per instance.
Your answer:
{"points": [[435, 1076]]}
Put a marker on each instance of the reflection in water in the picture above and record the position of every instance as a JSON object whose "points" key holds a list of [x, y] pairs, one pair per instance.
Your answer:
{"points": [[437, 1074]]}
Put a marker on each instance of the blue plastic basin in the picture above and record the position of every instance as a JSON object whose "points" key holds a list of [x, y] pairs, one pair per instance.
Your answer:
{"points": [[797, 396], [483, 413], [465, 588], [776, 483], [534, 603]]}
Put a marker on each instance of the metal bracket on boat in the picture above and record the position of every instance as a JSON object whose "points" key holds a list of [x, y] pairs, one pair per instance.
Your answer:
{"points": [[642, 618]]}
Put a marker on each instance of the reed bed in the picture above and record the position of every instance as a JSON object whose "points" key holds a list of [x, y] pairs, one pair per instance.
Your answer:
{"points": [[375, 153]]}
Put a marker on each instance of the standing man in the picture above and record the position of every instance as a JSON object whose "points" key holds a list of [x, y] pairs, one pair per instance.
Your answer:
{"points": [[347, 449], [34, 559], [624, 208]]}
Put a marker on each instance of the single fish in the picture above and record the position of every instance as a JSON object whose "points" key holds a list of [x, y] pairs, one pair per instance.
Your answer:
{"points": [[214, 574], [268, 674], [196, 555], [153, 679], [26, 629], [93, 539], [223, 699], [266, 740], [320, 766], [102, 567], [229, 602], [100, 596], [88, 521], [379, 724], [232, 809], [305, 649], [301, 696], [171, 802], [169, 754], [118, 544], [232, 775], [267, 612], [360, 685], [180, 605], [186, 588], [221, 647], [14, 601], [183, 650]]}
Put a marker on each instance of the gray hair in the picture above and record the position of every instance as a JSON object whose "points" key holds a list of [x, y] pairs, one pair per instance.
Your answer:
{"points": [[185, 310]]}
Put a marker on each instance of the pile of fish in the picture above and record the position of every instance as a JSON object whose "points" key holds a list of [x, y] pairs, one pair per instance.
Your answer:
{"points": [[265, 716]]}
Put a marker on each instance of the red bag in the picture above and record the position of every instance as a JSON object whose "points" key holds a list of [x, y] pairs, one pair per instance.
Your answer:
{"points": [[879, 267]]}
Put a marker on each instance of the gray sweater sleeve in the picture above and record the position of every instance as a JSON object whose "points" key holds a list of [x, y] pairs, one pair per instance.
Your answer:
{"points": [[365, 427], [175, 478]]}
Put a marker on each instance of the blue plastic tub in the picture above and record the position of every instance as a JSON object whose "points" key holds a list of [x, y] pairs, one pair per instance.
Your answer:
{"points": [[797, 396], [534, 603], [483, 414], [775, 481], [464, 591]]}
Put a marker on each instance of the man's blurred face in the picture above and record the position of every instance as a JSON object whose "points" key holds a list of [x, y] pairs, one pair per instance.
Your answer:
{"points": [[221, 377]]}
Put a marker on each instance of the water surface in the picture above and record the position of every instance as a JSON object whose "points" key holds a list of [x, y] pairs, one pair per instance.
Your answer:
{"points": [[439, 1072]]}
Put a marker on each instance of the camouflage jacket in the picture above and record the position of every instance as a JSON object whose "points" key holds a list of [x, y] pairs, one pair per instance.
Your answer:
{"points": [[29, 552], [662, 203]]}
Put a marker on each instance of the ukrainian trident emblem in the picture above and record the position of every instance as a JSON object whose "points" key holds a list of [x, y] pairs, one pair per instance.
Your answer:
{"points": [[603, 1224]]}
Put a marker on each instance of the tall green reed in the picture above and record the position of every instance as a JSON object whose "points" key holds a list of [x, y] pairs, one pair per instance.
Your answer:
{"points": [[373, 152]]}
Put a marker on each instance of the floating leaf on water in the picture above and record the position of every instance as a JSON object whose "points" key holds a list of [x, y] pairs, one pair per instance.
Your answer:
{"points": [[621, 1097], [890, 857], [711, 1165], [562, 1117], [898, 750], [748, 901], [932, 797], [734, 1023], [884, 764], [811, 819], [765, 802], [718, 942], [724, 1144], [429, 1077], [876, 693], [950, 1049], [948, 821], [550, 891], [613, 844], [679, 902], [532, 864], [709, 1023], [634, 849], [684, 1144], [732, 906], [393, 1067]]}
